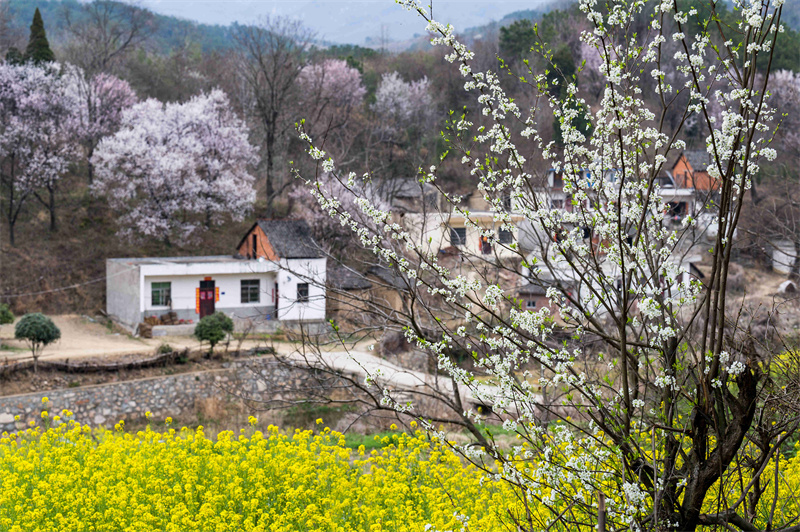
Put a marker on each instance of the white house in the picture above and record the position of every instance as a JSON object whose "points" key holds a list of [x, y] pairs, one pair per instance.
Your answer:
{"points": [[277, 274]]}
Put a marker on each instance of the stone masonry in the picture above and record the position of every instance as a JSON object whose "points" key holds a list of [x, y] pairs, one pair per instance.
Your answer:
{"points": [[105, 404]]}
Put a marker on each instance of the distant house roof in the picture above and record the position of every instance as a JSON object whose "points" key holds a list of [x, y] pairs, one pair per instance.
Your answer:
{"points": [[388, 276], [406, 193], [290, 239], [399, 187], [697, 159], [694, 174], [532, 289], [344, 278]]}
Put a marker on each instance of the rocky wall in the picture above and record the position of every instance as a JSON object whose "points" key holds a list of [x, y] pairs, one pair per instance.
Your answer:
{"points": [[163, 396]]}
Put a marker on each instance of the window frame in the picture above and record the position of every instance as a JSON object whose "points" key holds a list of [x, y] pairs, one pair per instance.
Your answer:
{"points": [[248, 290], [530, 304], [458, 231], [300, 297], [164, 290], [504, 236]]}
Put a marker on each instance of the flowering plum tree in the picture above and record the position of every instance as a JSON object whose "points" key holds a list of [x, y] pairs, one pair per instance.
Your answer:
{"points": [[36, 136], [174, 168], [667, 400], [100, 101]]}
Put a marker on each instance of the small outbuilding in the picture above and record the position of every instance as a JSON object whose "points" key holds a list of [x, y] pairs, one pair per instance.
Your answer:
{"points": [[277, 275]]}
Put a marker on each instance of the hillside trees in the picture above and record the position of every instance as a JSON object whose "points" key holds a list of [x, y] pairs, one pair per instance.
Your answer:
{"points": [[270, 57], [99, 101], [173, 169], [104, 32], [38, 50], [331, 92], [36, 137], [669, 396]]}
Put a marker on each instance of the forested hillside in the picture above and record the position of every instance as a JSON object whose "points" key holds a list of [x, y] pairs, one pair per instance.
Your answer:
{"points": [[386, 114]]}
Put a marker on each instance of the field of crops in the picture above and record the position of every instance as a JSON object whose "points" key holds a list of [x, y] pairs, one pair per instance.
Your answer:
{"points": [[72, 478], [66, 476]]}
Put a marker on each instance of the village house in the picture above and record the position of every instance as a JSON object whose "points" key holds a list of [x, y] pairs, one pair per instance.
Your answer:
{"points": [[277, 275], [472, 228]]}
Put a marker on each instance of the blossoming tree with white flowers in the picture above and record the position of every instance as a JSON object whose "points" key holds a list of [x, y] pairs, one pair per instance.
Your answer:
{"points": [[638, 380], [174, 169], [37, 122], [99, 102]]}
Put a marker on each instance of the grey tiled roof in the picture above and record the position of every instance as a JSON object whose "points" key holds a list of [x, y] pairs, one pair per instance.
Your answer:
{"points": [[345, 278], [291, 239], [388, 276], [698, 159]]}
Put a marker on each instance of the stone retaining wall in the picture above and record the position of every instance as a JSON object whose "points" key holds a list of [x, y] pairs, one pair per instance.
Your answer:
{"points": [[105, 404]]}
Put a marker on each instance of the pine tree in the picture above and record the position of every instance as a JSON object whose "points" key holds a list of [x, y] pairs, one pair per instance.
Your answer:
{"points": [[38, 50]]}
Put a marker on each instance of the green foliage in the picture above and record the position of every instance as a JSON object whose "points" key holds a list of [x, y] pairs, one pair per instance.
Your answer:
{"points": [[14, 56], [6, 316], [213, 328], [164, 349], [562, 71], [38, 50], [516, 40], [38, 331], [787, 52]]}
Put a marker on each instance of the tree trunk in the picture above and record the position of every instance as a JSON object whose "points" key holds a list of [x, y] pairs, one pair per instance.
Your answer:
{"points": [[52, 207], [11, 240]]}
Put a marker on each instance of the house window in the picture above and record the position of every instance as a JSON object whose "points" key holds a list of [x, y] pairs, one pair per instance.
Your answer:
{"points": [[506, 237], [458, 236], [557, 203], [161, 294], [302, 292], [531, 303], [251, 290], [507, 203]]}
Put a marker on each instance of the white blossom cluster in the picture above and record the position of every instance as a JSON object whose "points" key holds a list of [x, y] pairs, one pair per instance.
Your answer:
{"points": [[611, 263]]}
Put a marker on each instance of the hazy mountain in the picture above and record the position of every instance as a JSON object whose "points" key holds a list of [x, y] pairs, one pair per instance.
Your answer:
{"points": [[344, 21]]}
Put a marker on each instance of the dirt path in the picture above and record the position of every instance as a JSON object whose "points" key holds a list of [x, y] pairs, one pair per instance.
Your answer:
{"points": [[81, 337]]}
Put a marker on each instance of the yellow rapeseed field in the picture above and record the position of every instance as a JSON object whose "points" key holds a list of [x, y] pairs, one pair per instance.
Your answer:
{"points": [[69, 477]]}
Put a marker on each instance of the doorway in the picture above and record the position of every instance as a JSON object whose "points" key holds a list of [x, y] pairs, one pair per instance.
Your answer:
{"points": [[207, 297]]}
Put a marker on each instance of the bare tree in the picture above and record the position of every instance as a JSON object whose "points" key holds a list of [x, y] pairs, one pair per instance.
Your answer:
{"points": [[271, 56], [105, 31]]}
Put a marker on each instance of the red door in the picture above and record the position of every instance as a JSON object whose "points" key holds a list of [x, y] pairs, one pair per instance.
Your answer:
{"points": [[207, 296]]}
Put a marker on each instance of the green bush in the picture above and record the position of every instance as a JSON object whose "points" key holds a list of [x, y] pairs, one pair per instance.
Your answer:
{"points": [[214, 328], [38, 331], [6, 316]]}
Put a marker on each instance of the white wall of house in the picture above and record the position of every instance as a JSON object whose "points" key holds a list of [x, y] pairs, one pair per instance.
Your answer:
{"points": [[432, 232], [130, 287], [301, 271], [184, 289]]}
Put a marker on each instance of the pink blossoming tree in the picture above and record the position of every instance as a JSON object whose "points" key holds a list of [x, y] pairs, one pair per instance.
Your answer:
{"points": [[36, 137], [100, 100], [174, 169]]}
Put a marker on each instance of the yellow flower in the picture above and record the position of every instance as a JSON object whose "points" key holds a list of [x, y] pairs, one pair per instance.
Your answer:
{"points": [[319, 421], [44, 414]]}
